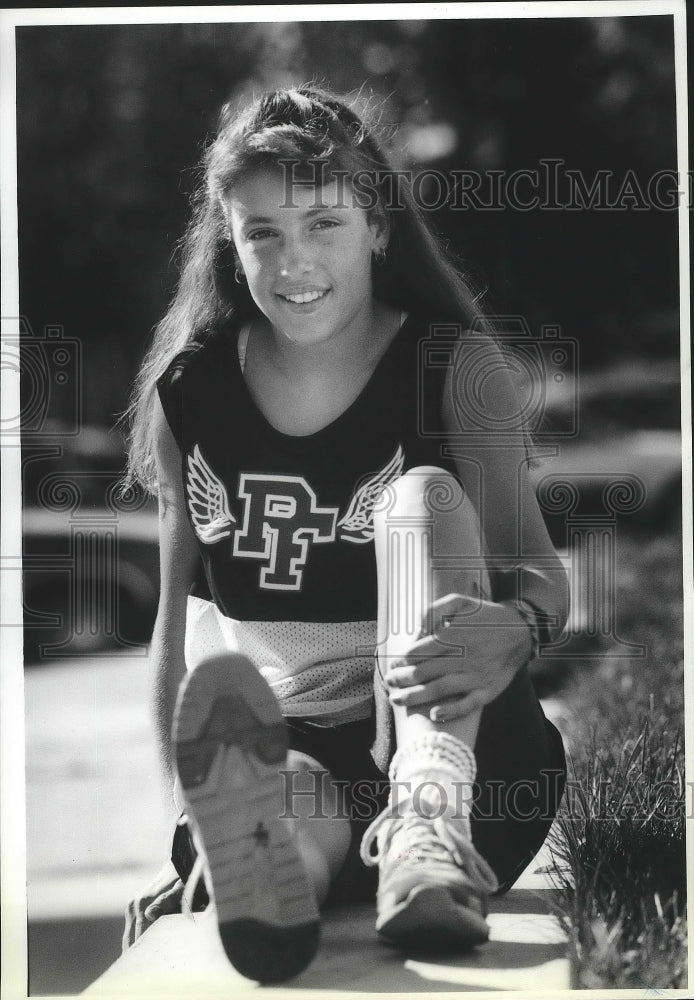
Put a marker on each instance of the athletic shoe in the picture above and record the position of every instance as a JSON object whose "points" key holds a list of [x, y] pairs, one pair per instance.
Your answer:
{"points": [[230, 742], [433, 884]]}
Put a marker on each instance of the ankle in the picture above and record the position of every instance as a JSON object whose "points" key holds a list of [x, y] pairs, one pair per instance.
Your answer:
{"points": [[433, 775]]}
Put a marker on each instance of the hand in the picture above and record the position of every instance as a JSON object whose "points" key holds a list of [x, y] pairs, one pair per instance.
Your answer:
{"points": [[472, 653], [162, 895]]}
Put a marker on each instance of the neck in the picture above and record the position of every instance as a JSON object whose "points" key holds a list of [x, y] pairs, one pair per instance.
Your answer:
{"points": [[352, 347]]}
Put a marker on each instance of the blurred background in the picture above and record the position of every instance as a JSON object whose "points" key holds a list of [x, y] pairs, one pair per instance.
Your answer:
{"points": [[112, 120]]}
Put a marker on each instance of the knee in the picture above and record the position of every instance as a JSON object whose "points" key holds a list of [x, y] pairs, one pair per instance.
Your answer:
{"points": [[312, 795], [305, 786], [311, 792], [425, 490]]}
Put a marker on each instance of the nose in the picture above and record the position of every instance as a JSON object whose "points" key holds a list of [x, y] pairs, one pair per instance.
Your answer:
{"points": [[295, 259]]}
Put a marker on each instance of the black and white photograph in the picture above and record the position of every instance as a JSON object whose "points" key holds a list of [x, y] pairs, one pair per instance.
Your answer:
{"points": [[347, 500]]}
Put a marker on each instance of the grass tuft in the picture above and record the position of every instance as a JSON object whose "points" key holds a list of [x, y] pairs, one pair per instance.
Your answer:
{"points": [[619, 850], [618, 843]]}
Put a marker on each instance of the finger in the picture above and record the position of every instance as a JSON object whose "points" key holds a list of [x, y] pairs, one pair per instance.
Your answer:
{"points": [[467, 612], [439, 689], [427, 671], [131, 930], [438, 612], [153, 911], [456, 708], [441, 643], [444, 606], [155, 908], [129, 927], [174, 896], [168, 902], [141, 924], [415, 673], [455, 606]]}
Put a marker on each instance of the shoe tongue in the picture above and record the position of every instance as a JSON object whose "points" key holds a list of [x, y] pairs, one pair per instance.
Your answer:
{"points": [[432, 800], [416, 840]]}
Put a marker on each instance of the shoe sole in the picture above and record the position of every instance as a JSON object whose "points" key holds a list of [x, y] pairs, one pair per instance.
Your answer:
{"points": [[230, 742], [430, 919]]}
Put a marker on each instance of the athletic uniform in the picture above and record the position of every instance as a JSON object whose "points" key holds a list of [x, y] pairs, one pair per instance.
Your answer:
{"points": [[288, 577]]}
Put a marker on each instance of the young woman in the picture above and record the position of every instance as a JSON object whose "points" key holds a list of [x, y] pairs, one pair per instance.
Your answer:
{"points": [[354, 569]]}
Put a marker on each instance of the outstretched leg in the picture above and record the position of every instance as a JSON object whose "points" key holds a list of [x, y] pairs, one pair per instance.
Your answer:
{"points": [[267, 861]]}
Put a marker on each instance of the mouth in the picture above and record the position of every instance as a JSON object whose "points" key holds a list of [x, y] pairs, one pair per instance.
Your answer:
{"points": [[304, 298]]}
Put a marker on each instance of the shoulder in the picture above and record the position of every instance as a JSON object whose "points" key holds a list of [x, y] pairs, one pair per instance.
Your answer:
{"points": [[435, 341], [482, 387], [465, 370], [201, 351], [191, 371], [424, 329]]}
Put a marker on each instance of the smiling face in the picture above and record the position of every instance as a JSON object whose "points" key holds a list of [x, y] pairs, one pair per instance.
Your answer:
{"points": [[305, 252]]}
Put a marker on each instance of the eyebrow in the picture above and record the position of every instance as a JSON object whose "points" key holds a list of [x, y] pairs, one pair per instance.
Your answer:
{"points": [[254, 220]]}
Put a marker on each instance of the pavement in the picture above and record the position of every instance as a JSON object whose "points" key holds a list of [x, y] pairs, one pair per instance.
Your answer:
{"points": [[183, 956], [97, 828], [97, 831]]}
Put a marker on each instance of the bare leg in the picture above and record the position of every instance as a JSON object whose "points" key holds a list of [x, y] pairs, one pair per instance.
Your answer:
{"points": [[433, 884], [427, 518], [322, 831]]}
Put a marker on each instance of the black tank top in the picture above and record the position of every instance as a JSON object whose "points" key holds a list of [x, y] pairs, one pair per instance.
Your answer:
{"points": [[284, 522]]}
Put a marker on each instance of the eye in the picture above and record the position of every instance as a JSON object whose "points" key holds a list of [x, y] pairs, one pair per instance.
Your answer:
{"points": [[326, 224], [260, 234]]}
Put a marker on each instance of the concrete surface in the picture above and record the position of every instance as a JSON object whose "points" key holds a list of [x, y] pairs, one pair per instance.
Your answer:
{"points": [[97, 831], [182, 956]]}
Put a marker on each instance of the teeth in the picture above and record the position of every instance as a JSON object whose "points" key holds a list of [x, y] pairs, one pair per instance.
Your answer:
{"points": [[304, 297]]}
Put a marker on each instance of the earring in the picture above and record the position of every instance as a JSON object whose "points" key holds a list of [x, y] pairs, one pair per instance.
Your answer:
{"points": [[380, 256], [239, 276]]}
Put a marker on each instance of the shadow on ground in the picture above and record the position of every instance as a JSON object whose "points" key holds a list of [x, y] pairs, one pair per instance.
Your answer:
{"points": [[66, 955]]}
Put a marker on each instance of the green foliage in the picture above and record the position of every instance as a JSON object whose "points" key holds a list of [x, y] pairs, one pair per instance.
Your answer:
{"points": [[619, 842], [112, 118]]}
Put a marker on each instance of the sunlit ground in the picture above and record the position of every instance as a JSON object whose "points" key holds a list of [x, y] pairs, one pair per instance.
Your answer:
{"points": [[96, 822]]}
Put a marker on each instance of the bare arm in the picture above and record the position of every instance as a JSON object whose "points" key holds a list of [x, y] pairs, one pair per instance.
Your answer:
{"points": [[493, 469], [178, 554], [178, 557]]}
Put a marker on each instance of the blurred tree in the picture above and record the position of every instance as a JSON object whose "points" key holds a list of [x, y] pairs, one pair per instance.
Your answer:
{"points": [[112, 119], [592, 93]]}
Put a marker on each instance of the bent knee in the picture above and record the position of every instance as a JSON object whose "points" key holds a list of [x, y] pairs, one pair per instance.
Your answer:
{"points": [[314, 802], [426, 489], [311, 791]]}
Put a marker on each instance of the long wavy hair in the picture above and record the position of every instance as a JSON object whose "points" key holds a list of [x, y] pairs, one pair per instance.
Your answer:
{"points": [[309, 127]]}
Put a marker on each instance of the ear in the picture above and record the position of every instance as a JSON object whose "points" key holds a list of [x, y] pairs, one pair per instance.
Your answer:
{"points": [[379, 223], [231, 249]]}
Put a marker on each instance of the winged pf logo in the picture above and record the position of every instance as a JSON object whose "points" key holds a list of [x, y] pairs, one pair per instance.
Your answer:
{"points": [[281, 516], [208, 502], [357, 524]]}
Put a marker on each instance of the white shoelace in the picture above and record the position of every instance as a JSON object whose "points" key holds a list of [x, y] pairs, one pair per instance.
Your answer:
{"points": [[425, 837], [191, 885]]}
